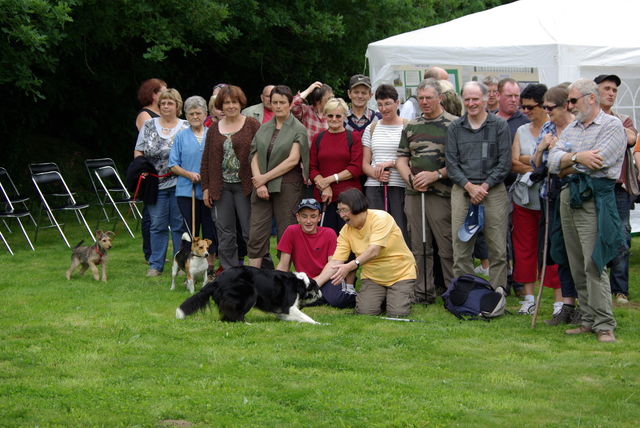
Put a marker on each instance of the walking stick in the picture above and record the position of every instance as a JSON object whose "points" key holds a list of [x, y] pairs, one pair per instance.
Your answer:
{"points": [[385, 186], [424, 244], [544, 254], [193, 211], [324, 210]]}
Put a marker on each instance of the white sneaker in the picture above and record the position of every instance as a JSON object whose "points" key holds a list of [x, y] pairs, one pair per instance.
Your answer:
{"points": [[527, 307], [557, 307], [481, 271]]}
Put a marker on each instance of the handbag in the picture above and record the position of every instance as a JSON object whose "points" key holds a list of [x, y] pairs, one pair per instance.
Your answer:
{"points": [[631, 174]]}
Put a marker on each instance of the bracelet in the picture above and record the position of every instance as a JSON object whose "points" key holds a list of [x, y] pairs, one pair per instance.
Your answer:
{"points": [[335, 176]]}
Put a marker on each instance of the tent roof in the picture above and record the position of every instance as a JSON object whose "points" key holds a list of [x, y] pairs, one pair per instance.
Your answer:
{"points": [[548, 34]]}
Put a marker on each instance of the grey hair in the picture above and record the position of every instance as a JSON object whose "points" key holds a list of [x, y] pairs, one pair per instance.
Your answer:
{"points": [[479, 85], [430, 83], [490, 80], [195, 102], [586, 87]]}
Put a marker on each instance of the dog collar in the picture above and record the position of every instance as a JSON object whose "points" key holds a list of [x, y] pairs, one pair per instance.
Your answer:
{"points": [[195, 255], [99, 253]]}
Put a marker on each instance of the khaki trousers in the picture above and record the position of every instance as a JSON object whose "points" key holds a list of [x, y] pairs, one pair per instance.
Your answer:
{"points": [[437, 222], [279, 206], [579, 228], [496, 218], [372, 296]]}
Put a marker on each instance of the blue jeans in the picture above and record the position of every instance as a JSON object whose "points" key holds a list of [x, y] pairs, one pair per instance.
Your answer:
{"points": [[619, 267], [164, 214]]}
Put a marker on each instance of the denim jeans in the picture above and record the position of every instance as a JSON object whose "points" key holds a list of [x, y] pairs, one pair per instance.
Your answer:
{"points": [[619, 267], [164, 214]]}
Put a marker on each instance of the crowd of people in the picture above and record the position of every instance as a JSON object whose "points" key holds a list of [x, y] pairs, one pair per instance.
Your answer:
{"points": [[535, 182]]}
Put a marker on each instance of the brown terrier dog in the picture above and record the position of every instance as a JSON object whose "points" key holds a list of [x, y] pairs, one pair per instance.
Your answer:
{"points": [[92, 256], [192, 259]]}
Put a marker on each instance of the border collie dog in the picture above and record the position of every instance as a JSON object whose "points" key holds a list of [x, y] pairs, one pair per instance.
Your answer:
{"points": [[238, 289]]}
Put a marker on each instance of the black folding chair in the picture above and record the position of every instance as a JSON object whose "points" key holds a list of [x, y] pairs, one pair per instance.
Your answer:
{"points": [[56, 196], [55, 192], [13, 194], [8, 210], [110, 189]]}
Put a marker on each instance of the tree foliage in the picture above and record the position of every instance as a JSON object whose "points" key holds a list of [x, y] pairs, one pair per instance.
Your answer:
{"points": [[75, 65]]}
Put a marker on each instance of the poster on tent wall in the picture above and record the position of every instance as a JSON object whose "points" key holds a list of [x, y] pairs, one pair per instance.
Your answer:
{"points": [[408, 77]]}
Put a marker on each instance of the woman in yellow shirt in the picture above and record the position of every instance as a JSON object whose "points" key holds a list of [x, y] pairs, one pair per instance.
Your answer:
{"points": [[388, 266]]}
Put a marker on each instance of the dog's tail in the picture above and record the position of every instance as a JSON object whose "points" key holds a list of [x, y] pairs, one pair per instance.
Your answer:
{"points": [[78, 244], [197, 302], [186, 237]]}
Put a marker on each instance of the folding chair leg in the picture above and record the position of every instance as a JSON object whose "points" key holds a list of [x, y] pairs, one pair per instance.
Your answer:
{"points": [[35, 238], [6, 243], [123, 221], [78, 212], [60, 229], [7, 226], [24, 232]]}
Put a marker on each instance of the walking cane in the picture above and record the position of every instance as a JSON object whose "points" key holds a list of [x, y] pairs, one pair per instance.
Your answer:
{"points": [[385, 186], [424, 244], [324, 210], [193, 211], [544, 254]]}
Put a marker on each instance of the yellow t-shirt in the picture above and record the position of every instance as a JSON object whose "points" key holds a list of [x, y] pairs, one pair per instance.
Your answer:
{"points": [[395, 261]]}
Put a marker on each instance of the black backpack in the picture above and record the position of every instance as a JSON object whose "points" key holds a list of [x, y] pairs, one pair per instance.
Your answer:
{"points": [[473, 297]]}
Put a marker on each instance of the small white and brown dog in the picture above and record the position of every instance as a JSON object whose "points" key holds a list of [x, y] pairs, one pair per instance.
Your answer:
{"points": [[90, 256], [192, 260]]}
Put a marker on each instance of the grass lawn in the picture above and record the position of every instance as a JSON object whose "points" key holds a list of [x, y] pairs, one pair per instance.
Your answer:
{"points": [[87, 353]]}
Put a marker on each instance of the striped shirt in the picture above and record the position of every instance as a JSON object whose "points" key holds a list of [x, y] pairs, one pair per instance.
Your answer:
{"points": [[605, 133], [384, 147]]}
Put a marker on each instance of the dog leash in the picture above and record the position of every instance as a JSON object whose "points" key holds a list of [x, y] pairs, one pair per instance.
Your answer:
{"points": [[142, 177]]}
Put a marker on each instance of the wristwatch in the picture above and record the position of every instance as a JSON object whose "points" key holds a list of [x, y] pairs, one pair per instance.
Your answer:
{"points": [[357, 262], [574, 158], [439, 175]]}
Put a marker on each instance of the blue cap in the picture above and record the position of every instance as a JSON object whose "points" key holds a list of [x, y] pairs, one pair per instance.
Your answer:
{"points": [[308, 203], [473, 222]]}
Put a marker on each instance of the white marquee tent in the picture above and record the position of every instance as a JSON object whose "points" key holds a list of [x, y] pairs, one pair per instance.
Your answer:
{"points": [[563, 39]]}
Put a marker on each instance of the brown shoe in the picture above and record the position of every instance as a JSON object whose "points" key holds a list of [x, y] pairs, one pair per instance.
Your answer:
{"points": [[606, 336], [580, 330]]}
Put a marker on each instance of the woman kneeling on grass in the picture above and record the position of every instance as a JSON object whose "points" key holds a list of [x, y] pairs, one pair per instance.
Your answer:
{"points": [[388, 266]]}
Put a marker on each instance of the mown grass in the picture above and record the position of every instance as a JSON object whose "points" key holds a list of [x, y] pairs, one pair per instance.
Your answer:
{"points": [[86, 353]]}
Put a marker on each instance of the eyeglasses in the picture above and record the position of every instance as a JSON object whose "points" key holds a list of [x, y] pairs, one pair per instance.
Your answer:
{"points": [[548, 108], [331, 116], [575, 100], [527, 108], [343, 210]]}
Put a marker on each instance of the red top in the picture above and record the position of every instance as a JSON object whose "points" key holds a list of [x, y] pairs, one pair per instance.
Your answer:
{"points": [[334, 157], [309, 251]]}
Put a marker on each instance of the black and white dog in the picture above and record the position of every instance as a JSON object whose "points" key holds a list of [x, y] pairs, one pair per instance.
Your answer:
{"points": [[239, 289]]}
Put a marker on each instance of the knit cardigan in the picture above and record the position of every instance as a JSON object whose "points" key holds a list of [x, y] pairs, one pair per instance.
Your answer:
{"points": [[211, 167], [292, 131]]}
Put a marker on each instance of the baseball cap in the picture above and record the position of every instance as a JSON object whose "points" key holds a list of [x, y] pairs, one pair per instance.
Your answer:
{"points": [[473, 222], [308, 203], [359, 79], [601, 78]]}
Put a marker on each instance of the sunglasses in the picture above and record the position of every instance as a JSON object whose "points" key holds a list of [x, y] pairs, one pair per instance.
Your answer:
{"points": [[575, 100], [549, 108], [309, 201], [331, 116], [526, 108]]}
